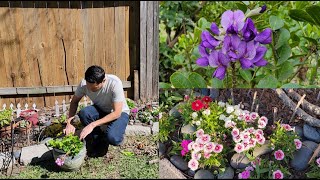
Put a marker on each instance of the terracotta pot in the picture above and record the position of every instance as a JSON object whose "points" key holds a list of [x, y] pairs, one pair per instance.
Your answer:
{"points": [[30, 115]]}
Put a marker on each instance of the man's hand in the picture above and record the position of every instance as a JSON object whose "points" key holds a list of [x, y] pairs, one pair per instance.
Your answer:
{"points": [[69, 128], [87, 130]]}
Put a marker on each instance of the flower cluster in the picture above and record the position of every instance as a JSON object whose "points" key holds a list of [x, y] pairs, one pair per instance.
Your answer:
{"points": [[202, 146], [237, 40], [146, 114]]}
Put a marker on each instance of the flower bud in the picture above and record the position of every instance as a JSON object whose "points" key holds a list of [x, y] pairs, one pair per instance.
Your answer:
{"points": [[257, 11]]}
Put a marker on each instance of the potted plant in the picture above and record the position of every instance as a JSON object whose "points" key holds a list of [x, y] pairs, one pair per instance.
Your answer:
{"points": [[24, 126], [5, 123], [68, 152]]}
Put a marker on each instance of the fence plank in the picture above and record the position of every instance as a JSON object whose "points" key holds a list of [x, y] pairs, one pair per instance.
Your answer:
{"points": [[109, 54], [143, 49], [155, 82], [150, 45]]}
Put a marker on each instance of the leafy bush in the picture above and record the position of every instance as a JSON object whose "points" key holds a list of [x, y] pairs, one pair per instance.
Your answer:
{"points": [[69, 144], [5, 117]]}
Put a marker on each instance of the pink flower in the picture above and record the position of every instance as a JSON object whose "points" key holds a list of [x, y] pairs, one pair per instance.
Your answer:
{"points": [[260, 131], [186, 97], [235, 132], [253, 115], [251, 130], [318, 161], [298, 143], [193, 164], [239, 147], [200, 133], [255, 162], [264, 119], [206, 155], [279, 155], [245, 136], [183, 152], [218, 148], [195, 155], [261, 140], [287, 127], [185, 143], [208, 148], [249, 168], [244, 175], [247, 118], [190, 146], [197, 105], [205, 138], [261, 124], [196, 147], [258, 136], [252, 142], [59, 161], [236, 139], [277, 174]]}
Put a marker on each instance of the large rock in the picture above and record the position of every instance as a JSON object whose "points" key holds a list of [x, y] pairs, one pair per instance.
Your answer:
{"points": [[169, 171], [162, 149], [239, 161], [155, 128], [188, 129], [174, 111], [179, 162], [227, 174], [311, 133], [35, 153], [203, 174], [133, 130], [302, 156], [264, 149], [299, 131]]}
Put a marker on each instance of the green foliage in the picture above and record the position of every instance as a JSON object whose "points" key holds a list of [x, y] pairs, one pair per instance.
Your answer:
{"points": [[313, 172], [54, 130], [130, 103], [166, 127], [70, 144], [62, 119], [5, 117]]}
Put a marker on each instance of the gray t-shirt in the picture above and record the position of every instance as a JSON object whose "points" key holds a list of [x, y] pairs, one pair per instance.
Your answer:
{"points": [[112, 91]]}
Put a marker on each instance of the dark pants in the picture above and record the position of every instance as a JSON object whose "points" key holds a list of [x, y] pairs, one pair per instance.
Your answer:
{"points": [[115, 129]]}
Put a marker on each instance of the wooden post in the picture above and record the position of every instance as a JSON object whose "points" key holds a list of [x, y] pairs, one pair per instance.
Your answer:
{"points": [[136, 85], [143, 49]]}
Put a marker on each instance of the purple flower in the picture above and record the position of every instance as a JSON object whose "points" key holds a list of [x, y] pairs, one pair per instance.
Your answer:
{"points": [[59, 162], [258, 59], [220, 60], [249, 31], [232, 22], [184, 143], [264, 37], [183, 152], [247, 52], [231, 47], [208, 41], [134, 110], [244, 175], [263, 9]]}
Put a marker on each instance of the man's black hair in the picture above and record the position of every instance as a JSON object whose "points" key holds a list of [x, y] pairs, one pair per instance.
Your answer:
{"points": [[95, 74]]}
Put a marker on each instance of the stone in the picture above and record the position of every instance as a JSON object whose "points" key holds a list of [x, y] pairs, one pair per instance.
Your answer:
{"points": [[239, 161], [191, 172], [302, 156], [214, 93], [162, 149], [227, 174], [45, 140], [34, 154], [311, 133], [264, 149], [137, 130], [131, 122], [204, 174], [168, 171], [188, 129], [299, 131], [179, 162], [155, 128]]}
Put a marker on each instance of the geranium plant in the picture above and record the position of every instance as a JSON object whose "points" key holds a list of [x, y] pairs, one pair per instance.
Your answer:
{"points": [[5, 117], [69, 144]]}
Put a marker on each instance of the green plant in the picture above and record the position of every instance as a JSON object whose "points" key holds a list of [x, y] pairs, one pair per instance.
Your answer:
{"points": [[54, 130], [313, 172], [131, 103], [167, 125], [62, 119], [70, 144], [5, 117]]}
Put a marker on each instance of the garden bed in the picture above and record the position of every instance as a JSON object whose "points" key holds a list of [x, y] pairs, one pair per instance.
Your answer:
{"points": [[268, 100]]}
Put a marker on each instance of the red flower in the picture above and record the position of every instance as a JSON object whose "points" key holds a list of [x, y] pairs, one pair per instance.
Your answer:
{"points": [[197, 105], [205, 105], [206, 99]]}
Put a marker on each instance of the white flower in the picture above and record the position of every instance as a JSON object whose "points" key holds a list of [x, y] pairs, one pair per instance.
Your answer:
{"points": [[231, 116], [206, 112], [222, 117], [194, 115], [221, 104], [237, 112], [236, 107], [230, 109], [160, 115], [198, 123]]}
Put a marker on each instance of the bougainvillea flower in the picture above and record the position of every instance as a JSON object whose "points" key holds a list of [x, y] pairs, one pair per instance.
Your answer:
{"points": [[244, 175], [298, 143], [193, 164], [232, 22], [199, 133], [249, 31], [318, 162], [197, 105], [279, 155], [208, 41], [59, 161], [218, 59], [264, 37], [277, 174], [206, 99]]}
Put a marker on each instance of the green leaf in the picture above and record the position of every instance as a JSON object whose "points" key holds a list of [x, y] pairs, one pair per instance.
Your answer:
{"points": [[197, 32], [203, 23], [180, 80], [314, 12], [291, 85], [163, 85], [246, 75], [197, 81], [268, 82], [275, 22], [311, 40], [284, 53], [242, 6], [301, 4], [285, 71], [300, 15], [127, 153], [284, 36], [216, 83], [179, 59]]}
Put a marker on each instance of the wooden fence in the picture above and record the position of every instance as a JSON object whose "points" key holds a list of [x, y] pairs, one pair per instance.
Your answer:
{"points": [[48, 45]]}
